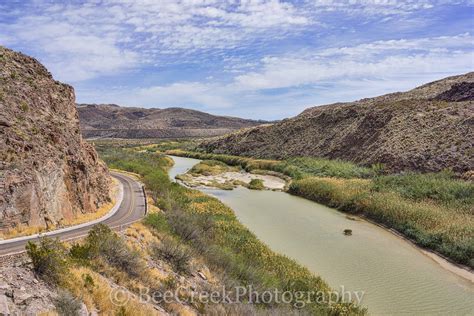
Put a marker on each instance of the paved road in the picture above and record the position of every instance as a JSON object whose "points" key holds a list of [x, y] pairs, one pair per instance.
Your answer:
{"points": [[130, 210]]}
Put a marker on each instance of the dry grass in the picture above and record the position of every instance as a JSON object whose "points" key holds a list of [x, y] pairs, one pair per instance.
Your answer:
{"points": [[97, 296], [177, 309], [48, 313], [24, 230], [142, 234], [152, 208]]}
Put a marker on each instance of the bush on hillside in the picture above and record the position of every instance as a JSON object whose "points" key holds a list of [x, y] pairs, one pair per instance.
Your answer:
{"points": [[103, 242], [67, 305], [49, 258], [157, 221], [176, 254]]}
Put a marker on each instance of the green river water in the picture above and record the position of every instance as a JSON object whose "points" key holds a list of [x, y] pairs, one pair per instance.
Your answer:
{"points": [[397, 278]]}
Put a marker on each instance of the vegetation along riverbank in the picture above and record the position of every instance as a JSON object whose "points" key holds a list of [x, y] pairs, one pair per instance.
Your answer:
{"points": [[214, 173], [434, 210], [208, 227]]}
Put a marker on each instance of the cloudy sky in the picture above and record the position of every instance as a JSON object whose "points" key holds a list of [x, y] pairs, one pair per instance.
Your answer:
{"points": [[255, 59]]}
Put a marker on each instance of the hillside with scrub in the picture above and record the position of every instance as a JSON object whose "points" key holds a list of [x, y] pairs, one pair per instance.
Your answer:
{"points": [[113, 121], [203, 225], [189, 244], [428, 129]]}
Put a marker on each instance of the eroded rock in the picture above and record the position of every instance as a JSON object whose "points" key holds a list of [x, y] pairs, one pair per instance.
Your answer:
{"points": [[48, 173], [4, 309]]}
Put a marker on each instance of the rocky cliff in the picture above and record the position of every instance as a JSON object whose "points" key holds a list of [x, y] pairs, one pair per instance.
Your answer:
{"points": [[48, 174], [425, 129], [110, 120]]}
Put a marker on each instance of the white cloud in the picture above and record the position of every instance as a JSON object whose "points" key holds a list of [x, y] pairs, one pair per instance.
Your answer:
{"points": [[80, 41], [378, 7], [320, 77], [83, 40], [211, 96], [70, 52], [191, 25]]}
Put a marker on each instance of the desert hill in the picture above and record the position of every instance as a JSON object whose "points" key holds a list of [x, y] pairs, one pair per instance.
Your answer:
{"points": [[110, 120], [429, 128]]}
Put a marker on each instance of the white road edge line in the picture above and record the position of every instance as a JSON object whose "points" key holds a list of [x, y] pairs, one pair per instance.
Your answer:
{"points": [[70, 228]]}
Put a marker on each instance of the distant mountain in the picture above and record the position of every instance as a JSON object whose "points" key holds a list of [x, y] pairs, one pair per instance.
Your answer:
{"points": [[47, 172], [425, 129], [111, 120]]}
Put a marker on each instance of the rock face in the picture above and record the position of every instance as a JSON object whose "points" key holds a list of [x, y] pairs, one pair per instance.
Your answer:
{"points": [[426, 129], [21, 293], [47, 172], [110, 120], [463, 91]]}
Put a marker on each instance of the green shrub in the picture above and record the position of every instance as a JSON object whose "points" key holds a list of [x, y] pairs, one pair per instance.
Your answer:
{"points": [[173, 252], [327, 168], [442, 187], [24, 106], [88, 282], [210, 167], [297, 168], [234, 265], [103, 242], [157, 221], [156, 183], [67, 305], [185, 227], [49, 258], [80, 253], [256, 184]]}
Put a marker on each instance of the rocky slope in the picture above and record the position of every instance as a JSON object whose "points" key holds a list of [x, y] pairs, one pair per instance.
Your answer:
{"points": [[425, 129], [110, 120], [47, 172]]}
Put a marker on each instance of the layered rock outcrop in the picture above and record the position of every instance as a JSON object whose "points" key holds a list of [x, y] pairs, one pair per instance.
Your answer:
{"points": [[48, 174]]}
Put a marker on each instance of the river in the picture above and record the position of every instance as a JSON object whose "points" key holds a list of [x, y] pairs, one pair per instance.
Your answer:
{"points": [[397, 278]]}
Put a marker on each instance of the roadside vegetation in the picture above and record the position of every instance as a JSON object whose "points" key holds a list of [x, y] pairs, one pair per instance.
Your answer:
{"points": [[86, 272], [188, 241], [434, 210], [204, 225]]}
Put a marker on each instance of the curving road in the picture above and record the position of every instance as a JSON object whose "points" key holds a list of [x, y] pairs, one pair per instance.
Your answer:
{"points": [[131, 209]]}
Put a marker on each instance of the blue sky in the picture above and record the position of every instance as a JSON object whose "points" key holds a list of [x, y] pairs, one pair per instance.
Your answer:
{"points": [[254, 59]]}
